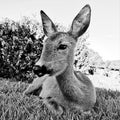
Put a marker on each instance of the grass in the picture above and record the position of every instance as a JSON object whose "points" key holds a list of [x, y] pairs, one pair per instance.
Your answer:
{"points": [[15, 106]]}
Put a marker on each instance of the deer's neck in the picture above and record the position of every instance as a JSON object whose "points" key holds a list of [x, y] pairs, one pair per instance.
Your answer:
{"points": [[66, 82], [66, 75]]}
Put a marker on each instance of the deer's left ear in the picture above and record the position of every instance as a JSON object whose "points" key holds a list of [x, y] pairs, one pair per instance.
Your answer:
{"points": [[81, 22]]}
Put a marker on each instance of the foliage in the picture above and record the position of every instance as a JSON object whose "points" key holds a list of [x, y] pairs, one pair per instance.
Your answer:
{"points": [[19, 48], [81, 53], [15, 106], [86, 59]]}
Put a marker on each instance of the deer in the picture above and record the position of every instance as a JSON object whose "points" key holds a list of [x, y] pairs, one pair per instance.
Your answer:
{"points": [[61, 87]]}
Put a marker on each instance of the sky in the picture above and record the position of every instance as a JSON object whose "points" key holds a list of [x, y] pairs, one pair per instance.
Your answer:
{"points": [[104, 29]]}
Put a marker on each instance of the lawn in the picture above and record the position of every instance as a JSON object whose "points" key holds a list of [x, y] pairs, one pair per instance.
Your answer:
{"points": [[15, 106]]}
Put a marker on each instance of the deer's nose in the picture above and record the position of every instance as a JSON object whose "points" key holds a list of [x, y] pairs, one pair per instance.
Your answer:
{"points": [[39, 70]]}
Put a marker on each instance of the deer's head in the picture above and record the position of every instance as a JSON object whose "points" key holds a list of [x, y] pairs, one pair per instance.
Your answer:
{"points": [[58, 48]]}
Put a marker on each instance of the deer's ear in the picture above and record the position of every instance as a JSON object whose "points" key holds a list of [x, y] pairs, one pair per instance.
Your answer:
{"points": [[81, 22], [48, 26]]}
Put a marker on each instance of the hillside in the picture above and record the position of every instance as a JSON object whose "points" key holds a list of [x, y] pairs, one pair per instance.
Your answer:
{"points": [[115, 64]]}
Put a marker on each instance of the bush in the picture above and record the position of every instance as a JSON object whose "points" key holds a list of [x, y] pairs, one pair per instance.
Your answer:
{"points": [[86, 59], [19, 48]]}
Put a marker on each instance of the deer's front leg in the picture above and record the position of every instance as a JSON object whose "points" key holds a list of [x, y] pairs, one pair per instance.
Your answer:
{"points": [[37, 84], [54, 106]]}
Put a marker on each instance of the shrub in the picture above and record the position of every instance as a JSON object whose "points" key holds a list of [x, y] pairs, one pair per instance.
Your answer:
{"points": [[19, 48]]}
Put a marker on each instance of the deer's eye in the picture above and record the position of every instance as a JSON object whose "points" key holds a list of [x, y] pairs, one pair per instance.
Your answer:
{"points": [[62, 47]]}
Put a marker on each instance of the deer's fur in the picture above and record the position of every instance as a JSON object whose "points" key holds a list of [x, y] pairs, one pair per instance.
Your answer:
{"points": [[64, 88]]}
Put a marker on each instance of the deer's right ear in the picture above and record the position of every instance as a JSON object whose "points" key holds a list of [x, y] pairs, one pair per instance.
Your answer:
{"points": [[48, 26]]}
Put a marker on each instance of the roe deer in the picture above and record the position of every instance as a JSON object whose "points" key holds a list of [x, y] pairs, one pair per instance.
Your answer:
{"points": [[62, 88]]}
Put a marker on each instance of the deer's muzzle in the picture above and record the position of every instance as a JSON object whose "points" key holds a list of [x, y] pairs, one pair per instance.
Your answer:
{"points": [[40, 70]]}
